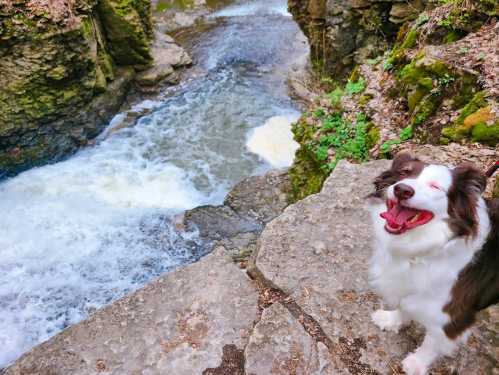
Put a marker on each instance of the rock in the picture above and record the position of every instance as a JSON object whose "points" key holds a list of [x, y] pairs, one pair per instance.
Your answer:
{"points": [[343, 33], [247, 208], [318, 251], [260, 197], [280, 345], [218, 222], [178, 324], [167, 55], [402, 12]]}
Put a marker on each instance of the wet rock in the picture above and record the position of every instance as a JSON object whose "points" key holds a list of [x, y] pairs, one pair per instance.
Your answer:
{"points": [[218, 222], [260, 197], [247, 208], [178, 324], [318, 251]]}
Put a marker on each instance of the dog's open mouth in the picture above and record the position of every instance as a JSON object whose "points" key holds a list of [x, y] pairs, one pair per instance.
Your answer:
{"points": [[400, 219]]}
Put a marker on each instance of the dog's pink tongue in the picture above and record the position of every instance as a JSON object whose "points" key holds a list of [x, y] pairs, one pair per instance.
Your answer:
{"points": [[398, 215]]}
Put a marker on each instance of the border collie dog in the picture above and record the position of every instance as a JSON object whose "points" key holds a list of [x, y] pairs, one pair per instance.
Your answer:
{"points": [[436, 257]]}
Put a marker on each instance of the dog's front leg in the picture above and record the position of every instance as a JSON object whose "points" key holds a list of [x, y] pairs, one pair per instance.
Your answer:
{"points": [[435, 345], [389, 320]]}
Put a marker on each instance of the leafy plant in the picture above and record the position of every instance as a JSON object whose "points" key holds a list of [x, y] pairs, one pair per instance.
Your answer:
{"points": [[318, 113], [335, 96], [349, 140], [355, 87], [406, 133]]}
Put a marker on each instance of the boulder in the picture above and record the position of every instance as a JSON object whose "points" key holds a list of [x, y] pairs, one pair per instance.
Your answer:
{"points": [[167, 55]]}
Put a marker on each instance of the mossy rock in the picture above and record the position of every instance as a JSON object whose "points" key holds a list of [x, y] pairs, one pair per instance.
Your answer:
{"points": [[476, 121], [127, 26]]}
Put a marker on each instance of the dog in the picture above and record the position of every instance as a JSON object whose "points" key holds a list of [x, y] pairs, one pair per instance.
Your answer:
{"points": [[436, 256]]}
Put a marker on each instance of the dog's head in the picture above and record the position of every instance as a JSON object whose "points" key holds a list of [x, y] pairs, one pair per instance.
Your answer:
{"points": [[416, 193]]}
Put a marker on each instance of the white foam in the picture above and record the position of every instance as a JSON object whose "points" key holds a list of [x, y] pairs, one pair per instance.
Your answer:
{"points": [[261, 7], [274, 141]]}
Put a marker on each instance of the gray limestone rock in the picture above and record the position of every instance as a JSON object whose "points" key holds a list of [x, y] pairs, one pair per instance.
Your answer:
{"points": [[318, 251], [178, 324]]}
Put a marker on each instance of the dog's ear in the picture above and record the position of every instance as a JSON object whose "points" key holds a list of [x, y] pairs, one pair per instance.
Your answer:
{"points": [[467, 185]]}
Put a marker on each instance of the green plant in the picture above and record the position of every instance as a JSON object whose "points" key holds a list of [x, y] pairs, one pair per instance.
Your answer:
{"points": [[335, 96], [355, 87], [388, 64], [445, 80], [319, 112], [406, 133], [349, 140], [386, 147]]}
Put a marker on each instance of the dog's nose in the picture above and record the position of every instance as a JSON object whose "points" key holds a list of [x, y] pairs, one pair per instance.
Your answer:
{"points": [[403, 191]]}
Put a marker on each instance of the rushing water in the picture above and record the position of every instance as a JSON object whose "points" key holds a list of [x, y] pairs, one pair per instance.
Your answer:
{"points": [[80, 233]]}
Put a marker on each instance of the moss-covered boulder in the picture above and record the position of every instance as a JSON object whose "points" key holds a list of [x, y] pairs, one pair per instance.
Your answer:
{"points": [[58, 64]]}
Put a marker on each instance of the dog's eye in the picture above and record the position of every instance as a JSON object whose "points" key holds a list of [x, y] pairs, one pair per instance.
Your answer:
{"points": [[434, 185]]}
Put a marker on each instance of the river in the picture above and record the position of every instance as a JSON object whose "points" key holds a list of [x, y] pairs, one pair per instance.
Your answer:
{"points": [[78, 234]]}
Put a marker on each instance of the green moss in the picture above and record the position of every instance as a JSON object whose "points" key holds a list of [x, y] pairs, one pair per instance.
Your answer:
{"points": [[471, 124], [410, 40], [128, 30], [426, 107], [57, 73], [488, 134], [478, 101], [453, 36]]}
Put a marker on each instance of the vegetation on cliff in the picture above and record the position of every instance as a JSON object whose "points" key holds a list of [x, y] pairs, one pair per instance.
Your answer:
{"points": [[437, 84]]}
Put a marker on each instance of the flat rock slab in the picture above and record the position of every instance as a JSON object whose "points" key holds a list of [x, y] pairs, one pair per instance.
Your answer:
{"points": [[178, 325], [317, 252], [280, 345]]}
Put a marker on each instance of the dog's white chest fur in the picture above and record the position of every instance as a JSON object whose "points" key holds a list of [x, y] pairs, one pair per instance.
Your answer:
{"points": [[415, 272]]}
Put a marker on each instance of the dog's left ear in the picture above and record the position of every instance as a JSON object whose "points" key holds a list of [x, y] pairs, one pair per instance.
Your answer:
{"points": [[468, 183]]}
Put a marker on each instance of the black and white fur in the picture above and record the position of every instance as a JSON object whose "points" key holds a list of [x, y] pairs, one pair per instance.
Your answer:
{"points": [[439, 274]]}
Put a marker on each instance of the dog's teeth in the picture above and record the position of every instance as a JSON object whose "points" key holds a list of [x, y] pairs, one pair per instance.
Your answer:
{"points": [[414, 219]]}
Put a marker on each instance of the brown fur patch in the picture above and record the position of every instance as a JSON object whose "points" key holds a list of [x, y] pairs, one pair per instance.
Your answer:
{"points": [[477, 286], [468, 183]]}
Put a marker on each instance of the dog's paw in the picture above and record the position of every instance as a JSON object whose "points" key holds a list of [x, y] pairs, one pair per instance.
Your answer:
{"points": [[412, 365], [387, 320]]}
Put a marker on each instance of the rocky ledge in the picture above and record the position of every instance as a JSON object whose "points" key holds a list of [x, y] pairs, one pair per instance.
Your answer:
{"points": [[303, 307]]}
